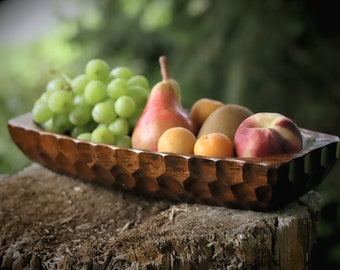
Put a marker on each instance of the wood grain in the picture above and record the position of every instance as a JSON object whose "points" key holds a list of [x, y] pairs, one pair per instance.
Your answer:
{"points": [[52, 221]]}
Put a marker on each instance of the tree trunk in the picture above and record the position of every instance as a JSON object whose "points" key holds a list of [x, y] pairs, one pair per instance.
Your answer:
{"points": [[50, 221]]}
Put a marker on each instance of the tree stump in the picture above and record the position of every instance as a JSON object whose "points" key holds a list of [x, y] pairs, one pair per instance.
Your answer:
{"points": [[51, 221]]}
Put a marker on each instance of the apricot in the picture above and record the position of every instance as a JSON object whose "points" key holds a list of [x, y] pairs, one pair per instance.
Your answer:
{"points": [[202, 108], [214, 145], [177, 140]]}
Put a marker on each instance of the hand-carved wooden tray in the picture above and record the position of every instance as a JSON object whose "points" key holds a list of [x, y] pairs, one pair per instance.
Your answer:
{"points": [[261, 184]]}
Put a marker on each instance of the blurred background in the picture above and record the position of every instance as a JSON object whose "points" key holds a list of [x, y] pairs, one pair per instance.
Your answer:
{"points": [[270, 55]]}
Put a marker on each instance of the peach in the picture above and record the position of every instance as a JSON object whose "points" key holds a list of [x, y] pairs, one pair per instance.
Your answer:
{"points": [[214, 145], [177, 140], [202, 108], [264, 134]]}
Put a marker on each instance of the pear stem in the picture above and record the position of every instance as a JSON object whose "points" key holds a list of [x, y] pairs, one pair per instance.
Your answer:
{"points": [[164, 68]]}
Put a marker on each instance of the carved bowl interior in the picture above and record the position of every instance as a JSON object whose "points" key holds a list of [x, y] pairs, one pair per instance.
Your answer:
{"points": [[261, 184]]}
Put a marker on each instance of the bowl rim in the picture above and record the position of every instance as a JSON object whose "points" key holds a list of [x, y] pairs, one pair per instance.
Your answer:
{"points": [[311, 141]]}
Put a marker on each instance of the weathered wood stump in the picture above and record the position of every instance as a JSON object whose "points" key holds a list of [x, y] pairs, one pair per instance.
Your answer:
{"points": [[51, 221]]}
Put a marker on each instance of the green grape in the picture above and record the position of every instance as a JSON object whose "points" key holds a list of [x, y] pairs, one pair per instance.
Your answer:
{"points": [[122, 73], [49, 126], [104, 112], [62, 124], [95, 92], [124, 141], [102, 135], [80, 115], [41, 113], [60, 101], [139, 94], [79, 100], [117, 87], [97, 69], [77, 130], [125, 106], [86, 136], [101, 126], [57, 84], [44, 96], [119, 127], [135, 117], [139, 80], [79, 83]]}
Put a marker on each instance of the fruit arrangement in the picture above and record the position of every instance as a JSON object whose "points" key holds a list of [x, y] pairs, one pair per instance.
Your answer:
{"points": [[211, 128], [145, 140], [117, 107], [99, 105]]}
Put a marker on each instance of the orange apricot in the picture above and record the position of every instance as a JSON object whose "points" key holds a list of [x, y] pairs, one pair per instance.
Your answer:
{"points": [[202, 108], [214, 145], [177, 140]]}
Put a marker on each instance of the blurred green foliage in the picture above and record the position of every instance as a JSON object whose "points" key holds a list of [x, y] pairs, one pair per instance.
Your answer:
{"points": [[25, 73], [273, 55]]}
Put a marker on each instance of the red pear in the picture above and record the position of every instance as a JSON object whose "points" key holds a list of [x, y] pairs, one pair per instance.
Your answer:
{"points": [[162, 111]]}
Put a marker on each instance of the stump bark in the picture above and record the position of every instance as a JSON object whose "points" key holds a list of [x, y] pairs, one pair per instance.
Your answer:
{"points": [[51, 221]]}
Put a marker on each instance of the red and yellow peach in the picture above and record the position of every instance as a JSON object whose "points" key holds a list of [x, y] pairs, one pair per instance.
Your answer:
{"points": [[265, 134]]}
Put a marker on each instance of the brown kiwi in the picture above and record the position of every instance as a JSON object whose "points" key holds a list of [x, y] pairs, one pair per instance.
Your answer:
{"points": [[225, 119], [202, 108]]}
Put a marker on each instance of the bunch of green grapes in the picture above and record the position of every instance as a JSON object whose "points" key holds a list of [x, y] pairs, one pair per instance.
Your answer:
{"points": [[100, 105]]}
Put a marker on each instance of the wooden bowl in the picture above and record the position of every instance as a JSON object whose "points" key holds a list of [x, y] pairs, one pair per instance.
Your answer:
{"points": [[260, 184]]}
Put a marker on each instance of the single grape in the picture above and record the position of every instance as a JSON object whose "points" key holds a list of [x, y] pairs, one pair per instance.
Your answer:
{"points": [[49, 126], [44, 96], [102, 135], [139, 94], [135, 117], [58, 84], [60, 101], [95, 92], [86, 136], [97, 69], [79, 83], [139, 80], [79, 100], [122, 73], [62, 124], [101, 126], [41, 113], [124, 141], [104, 112], [117, 88], [119, 127], [87, 128], [77, 130], [125, 106], [80, 115]]}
